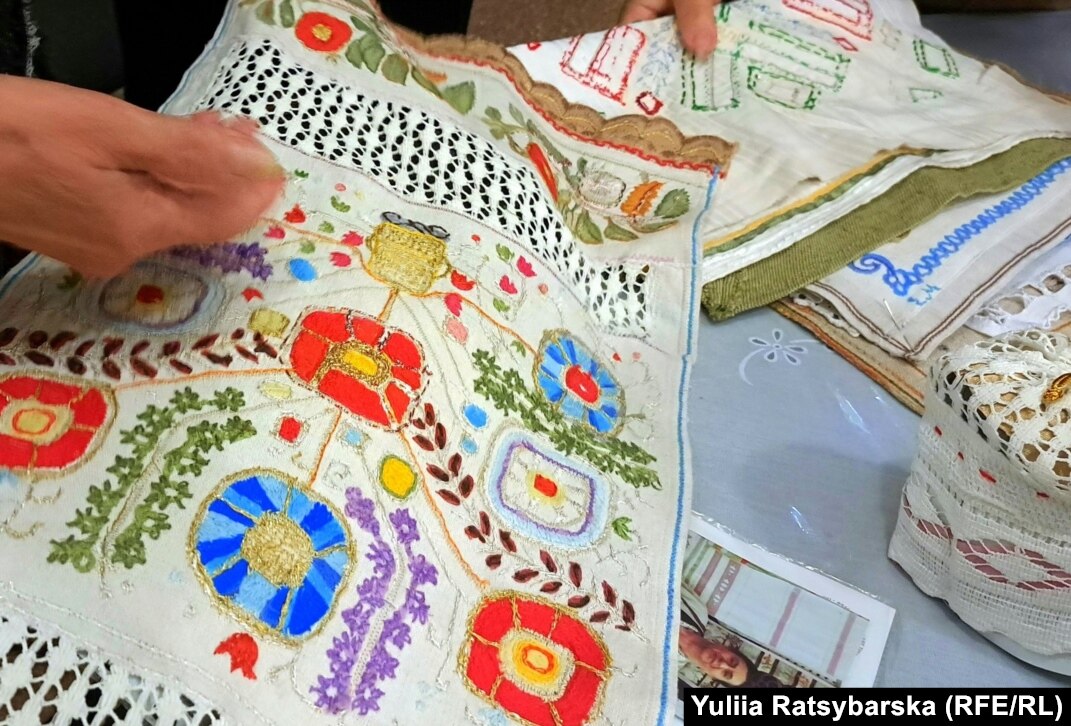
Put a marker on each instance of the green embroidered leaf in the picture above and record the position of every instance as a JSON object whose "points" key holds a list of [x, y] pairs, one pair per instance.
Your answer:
{"points": [[339, 205], [519, 347], [618, 233], [286, 14], [587, 230], [512, 395], [581, 164], [498, 133], [266, 12], [673, 204], [622, 527], [395, 68], [423, 82], [326, 227], [493, 113], [500, 306], [301, 174], [517, 115], [360, 24], [461, 96], [652, 227], [354, 55], [372, 51], [307, 247], [504, 253]]}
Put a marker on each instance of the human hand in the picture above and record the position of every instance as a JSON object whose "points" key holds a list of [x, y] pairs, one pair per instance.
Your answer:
{"points": [[97, 183], [695, 19]]}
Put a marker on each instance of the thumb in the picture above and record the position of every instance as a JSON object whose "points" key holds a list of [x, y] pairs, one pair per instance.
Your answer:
{"points": [[699, 32]]}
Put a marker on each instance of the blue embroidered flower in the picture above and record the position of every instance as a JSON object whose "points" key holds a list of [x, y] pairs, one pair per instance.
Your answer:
{"points": [[272, 553], [578, 384]]}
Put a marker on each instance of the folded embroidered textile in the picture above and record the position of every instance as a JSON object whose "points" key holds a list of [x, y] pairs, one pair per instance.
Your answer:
{"points": [[406, 450], [983, 516], [899, 213], [907, 296], [834, 105]]}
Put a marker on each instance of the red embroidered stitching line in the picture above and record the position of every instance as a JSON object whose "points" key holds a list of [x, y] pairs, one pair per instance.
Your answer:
{"points": [[856, 17], [610, 68]]}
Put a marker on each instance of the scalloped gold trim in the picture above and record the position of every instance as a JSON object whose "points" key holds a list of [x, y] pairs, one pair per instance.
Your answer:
{"points": [[655, 139]]}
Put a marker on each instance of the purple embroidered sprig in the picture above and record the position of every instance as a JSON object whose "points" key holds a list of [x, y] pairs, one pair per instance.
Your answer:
{"points": [[333, 692], [396, 631], [229, 258]]}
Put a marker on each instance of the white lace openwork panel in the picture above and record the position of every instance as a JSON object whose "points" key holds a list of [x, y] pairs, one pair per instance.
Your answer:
{"points": [[1043, 303], [47, 679], [424, 159]]}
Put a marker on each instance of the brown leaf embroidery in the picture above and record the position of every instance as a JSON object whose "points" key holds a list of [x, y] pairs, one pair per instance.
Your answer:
{"points": [[600, 617], [449, 497], [628, 613], [37, 338], [576, 575], [608, 594], [454, 464], [423, 442], [466, 486], [493, 561], [551, 587], [485, 523], [578, 601], [507, 540], [438, 473], [525, 575], [474, 533], [440, 435], [548, 561]]}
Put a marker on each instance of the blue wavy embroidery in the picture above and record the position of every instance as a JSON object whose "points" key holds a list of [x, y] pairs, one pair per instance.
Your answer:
{"points": [[900, 281]]}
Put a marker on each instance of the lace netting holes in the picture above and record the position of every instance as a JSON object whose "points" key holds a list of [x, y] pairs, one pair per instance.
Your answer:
{"points": [[419, 156]]}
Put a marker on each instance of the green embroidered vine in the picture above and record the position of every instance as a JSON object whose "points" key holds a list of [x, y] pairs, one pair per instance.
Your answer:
{"points": [[511, 395], [144, 439], [583, 192]]}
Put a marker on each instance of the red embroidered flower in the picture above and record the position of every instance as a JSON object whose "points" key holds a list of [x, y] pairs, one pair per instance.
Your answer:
{"points": [[322, 32], [374, 371], [535, 660], [47, 424]]}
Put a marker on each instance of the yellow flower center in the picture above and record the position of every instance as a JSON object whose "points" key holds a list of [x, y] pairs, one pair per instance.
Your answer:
{"points": [[361, 362], [279, 550], [321, 32], [534, 663], [33, 421], [397, 477]]}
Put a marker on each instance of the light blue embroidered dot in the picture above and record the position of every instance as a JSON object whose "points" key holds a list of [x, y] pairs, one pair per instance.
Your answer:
{"points": [[475, 415], [468, 445], [353, 437], [302, 269]]}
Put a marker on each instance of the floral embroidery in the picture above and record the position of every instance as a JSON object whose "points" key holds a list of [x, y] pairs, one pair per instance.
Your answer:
{"points": [[156, 296], [572, 379], [322, 32], [510, 395], [48, 425], [229, 258], [543, 495], [583, 191], [98, 525], [243, 652], [535, 661], [272, 554], [374, 371], [337, 693], [773, 351]]}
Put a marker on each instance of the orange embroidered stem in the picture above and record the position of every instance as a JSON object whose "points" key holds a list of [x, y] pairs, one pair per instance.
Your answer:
{"points": [[385, 312], [323, 449], [439, 515], [198, 376], [504, 328]]}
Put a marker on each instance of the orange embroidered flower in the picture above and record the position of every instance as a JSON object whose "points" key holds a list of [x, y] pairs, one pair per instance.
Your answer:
{"points": [[535, 660], [641, 199], [47, 424], [322, 32]]}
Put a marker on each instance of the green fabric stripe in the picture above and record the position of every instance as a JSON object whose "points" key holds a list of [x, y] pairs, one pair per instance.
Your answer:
{"points": [[912, 201], [829, 196]]}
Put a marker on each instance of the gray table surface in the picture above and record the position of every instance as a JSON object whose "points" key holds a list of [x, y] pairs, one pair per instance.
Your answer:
{"points": [[799, 452]]}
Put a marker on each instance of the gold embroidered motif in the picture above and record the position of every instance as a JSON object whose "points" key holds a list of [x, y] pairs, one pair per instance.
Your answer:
{"points": [[406, 259], [278, 549]]}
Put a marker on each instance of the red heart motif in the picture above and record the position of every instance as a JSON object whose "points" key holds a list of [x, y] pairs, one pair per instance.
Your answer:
{"points": [[453, 303], [251, 293], [507, 286], [275, 232], [460, 281], [295, 215], [525, 267], [340, 259]]}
